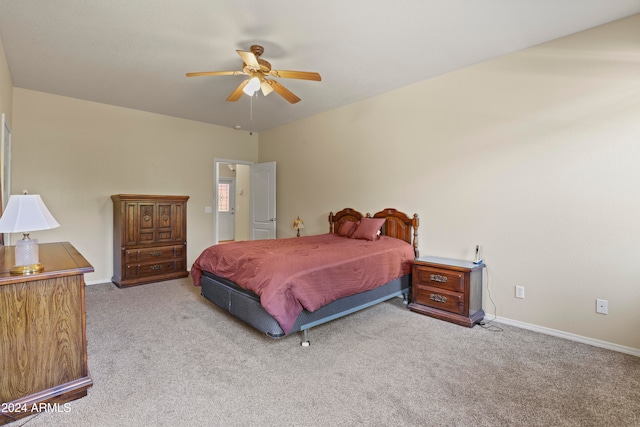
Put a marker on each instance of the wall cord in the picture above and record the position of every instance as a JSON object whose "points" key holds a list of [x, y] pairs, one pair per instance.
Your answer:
{"points": [[486, 324]]}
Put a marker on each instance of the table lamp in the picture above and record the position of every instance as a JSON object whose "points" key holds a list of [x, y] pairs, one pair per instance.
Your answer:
{"points": [[298, 224], [26, 213]]}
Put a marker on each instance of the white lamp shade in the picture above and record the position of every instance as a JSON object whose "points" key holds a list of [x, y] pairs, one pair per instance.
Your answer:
{"points": [[26, 213], [251, 87]]}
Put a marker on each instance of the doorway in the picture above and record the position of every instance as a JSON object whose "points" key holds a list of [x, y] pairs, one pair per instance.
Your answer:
{"points": [[226, 209], [254, 200], [231, 226]]}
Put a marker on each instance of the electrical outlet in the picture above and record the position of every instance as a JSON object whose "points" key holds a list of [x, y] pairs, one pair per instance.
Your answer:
{"points": [[602, 306], [519, 291]]}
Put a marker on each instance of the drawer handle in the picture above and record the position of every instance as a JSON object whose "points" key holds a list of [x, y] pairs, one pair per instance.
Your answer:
{"points": [[156, 253], [437, 298], [156, 267], [438, 278]]}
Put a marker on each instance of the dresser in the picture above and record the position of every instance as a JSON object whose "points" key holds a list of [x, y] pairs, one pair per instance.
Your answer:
{"points": [[149, 238], [447, 289], [43, 339]]}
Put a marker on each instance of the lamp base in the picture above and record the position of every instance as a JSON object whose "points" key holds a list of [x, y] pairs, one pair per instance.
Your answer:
{"points": [[27, 260], [27, 269]]}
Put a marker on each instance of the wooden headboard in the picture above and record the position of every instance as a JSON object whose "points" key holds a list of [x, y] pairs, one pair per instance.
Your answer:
{"points": [[397, 224], [336, 220]]}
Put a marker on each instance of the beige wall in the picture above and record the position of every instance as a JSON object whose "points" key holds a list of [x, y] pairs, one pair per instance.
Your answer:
{"points": [[6, 86], [76, 154], [535, 156]]}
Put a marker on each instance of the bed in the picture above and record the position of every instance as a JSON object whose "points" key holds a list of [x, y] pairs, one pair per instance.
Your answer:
{"points": [[334, 274]]}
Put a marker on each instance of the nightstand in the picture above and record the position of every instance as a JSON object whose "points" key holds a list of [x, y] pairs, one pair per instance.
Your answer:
{"points": [[447, 289]]}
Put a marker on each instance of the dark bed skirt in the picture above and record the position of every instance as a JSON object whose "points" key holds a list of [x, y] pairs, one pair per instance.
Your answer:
{"points": [[245, 305]]}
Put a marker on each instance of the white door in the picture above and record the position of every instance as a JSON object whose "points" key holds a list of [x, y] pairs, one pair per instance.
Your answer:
{"points": [[263, 201], [226, 209]]}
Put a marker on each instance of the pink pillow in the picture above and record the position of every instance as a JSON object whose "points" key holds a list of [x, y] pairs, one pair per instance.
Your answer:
{"points": [[347, 228], [368, 228]]}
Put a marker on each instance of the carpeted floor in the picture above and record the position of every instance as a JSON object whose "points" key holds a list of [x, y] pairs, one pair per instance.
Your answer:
{"points": [[161, 355]]}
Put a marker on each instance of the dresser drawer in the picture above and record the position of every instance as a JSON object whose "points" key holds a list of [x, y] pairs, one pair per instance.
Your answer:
{"points": [[154, 268], [441, 299], [438, 278], [157, 253]]}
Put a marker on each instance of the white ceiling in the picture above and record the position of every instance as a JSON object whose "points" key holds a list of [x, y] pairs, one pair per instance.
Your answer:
{"points": [[135, 53]]}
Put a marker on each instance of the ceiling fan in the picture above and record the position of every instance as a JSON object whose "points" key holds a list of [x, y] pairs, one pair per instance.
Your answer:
{"points": [[258, 70]]}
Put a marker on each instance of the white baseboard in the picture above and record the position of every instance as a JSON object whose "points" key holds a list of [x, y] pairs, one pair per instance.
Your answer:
{"points": [[97, 282], [572, 337]]}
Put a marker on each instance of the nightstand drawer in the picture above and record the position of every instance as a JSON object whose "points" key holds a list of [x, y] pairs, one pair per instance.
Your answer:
{"points": [[441, 299], [438, 278]]}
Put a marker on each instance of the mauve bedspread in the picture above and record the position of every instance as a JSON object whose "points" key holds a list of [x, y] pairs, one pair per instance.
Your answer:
{"points": [[305, 272]]}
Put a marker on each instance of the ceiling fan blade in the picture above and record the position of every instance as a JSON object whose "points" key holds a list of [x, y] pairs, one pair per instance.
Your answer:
{"points": [[283, 92], [249, 58], [215, 73], [301, 75], [266, 87], [237, 93]]}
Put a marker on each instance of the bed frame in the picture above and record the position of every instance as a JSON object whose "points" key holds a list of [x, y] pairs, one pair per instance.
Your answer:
{"points": [[245, 305]]}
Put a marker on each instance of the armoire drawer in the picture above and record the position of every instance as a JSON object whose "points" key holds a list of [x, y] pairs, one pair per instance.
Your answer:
{"points": [[156, 253], [154, 268]]}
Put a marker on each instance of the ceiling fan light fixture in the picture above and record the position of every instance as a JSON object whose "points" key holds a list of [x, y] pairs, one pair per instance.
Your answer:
{"points": [[258, 70], [251, 87]]}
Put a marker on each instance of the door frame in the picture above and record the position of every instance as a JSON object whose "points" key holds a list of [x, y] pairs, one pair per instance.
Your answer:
{"points": [[216, 179]]}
